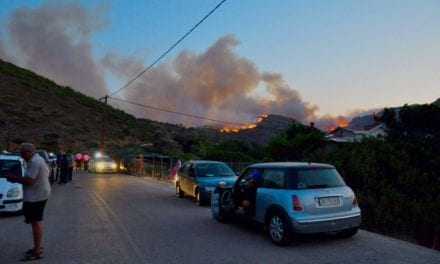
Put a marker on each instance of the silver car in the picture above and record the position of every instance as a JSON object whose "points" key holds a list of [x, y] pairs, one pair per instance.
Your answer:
{"points": [[290, 198]]}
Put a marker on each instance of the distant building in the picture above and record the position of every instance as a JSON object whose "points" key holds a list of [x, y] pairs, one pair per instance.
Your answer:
{"points": [[347, 135]]}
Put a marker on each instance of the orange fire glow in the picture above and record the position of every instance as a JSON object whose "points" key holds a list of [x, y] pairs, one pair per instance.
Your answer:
{"points": [[339, 122], [238, 129]]}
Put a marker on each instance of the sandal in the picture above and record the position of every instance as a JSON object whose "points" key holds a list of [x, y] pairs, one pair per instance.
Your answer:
{"points": [[32, 255], [31, 251]]}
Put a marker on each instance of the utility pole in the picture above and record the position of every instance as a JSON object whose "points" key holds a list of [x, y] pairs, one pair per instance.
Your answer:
{"points": [[103, 132]]}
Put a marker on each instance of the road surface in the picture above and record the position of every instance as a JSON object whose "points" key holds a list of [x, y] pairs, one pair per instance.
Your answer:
{"points": [[124, 219]]}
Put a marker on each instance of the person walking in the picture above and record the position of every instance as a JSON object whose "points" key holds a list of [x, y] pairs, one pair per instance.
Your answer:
{"points": [[78, 161], [86, 159], [63, 167], [70, 166], [36, 192]]}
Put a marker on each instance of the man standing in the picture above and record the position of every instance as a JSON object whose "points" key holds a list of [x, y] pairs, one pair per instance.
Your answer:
{"points": [[70, 165], [36, 191], [63, 167]]}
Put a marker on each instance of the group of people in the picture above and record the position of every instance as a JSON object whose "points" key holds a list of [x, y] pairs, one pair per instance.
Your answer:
{"points": [[82, 161], [62, 170]]}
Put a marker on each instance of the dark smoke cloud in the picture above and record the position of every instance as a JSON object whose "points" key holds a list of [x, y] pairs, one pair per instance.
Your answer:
{"points": [[55, 42], [216, 83]]}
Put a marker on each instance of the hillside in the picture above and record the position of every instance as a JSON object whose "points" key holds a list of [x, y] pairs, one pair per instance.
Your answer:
{"points": [[33, 108], [437, 103]]}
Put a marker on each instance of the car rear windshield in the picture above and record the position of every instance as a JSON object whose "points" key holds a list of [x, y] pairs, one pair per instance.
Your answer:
{"points": [[10, 166], [214, 170], [314, 178]]}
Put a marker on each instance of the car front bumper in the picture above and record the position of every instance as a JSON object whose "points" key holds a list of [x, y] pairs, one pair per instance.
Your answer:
{"points": [[205, 193], [11, 205], [327, 225], [106, 170]]}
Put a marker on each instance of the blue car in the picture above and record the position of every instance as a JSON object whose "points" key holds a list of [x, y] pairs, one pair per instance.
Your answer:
{"points": [[199, 179], [290, 198]]}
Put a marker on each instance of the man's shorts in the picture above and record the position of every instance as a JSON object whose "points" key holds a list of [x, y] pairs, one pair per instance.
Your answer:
{"points": [[33, 211]]}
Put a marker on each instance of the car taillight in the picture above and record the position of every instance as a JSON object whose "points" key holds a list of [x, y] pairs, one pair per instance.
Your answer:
{"points": [[355, 201], [297, 206]]}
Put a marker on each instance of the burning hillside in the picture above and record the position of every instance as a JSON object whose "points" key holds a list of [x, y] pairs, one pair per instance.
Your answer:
{"points": [[262, 131], [339, 122], [229, 129]]}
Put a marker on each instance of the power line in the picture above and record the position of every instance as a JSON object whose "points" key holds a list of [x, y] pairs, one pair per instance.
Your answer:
{"points": [[177, 112], [169, 49]]}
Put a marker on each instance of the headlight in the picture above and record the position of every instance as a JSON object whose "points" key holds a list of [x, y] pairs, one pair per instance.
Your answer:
{"points": [[14, 192], [100, 166], [222, 184], [114, 166], [209, 189]]}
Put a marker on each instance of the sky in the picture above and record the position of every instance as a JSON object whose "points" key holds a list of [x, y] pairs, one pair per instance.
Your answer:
{"points": [[339, 55]]}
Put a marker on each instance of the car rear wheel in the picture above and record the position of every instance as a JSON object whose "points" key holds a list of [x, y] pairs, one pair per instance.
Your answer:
{"points": [[279, 229], [179, 191]]}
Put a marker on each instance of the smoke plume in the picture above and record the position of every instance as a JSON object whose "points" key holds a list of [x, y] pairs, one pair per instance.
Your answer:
{"points": [[54, 41], [3, 54], [216, 83]]}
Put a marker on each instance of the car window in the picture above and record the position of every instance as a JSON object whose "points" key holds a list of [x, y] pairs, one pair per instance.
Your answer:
{"points": [[314, 178], [274, 178], [248, 175], [213, 170], [10, 166], [185, 169]]}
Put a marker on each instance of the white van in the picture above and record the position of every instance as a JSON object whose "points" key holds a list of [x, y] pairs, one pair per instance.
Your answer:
{"points": [[11, 194]]}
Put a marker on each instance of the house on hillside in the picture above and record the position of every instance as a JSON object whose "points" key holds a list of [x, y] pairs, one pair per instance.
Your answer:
{"points": [[347, 135]]}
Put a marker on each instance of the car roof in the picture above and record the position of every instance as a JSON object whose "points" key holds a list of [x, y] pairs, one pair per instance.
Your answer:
{"points": [[291, 165], [10, 157], [205, 161]]}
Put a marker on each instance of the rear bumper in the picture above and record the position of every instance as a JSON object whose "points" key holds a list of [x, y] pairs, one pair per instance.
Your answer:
{"points": [[327, 225]]}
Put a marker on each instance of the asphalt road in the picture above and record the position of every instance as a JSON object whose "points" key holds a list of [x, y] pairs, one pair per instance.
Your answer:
{"points": [[124, 219]]}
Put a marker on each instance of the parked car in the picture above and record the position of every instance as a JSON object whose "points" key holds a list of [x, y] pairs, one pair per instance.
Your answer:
{"points": [[291, 198], [200, 177], [43, 153], [103, 164], [11, 194]]}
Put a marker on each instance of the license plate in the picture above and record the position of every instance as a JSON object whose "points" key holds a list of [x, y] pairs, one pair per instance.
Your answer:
{"points": [[329, 201]]}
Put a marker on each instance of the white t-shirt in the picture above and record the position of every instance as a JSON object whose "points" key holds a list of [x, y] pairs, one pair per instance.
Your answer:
{"points": [[37, 169]]}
